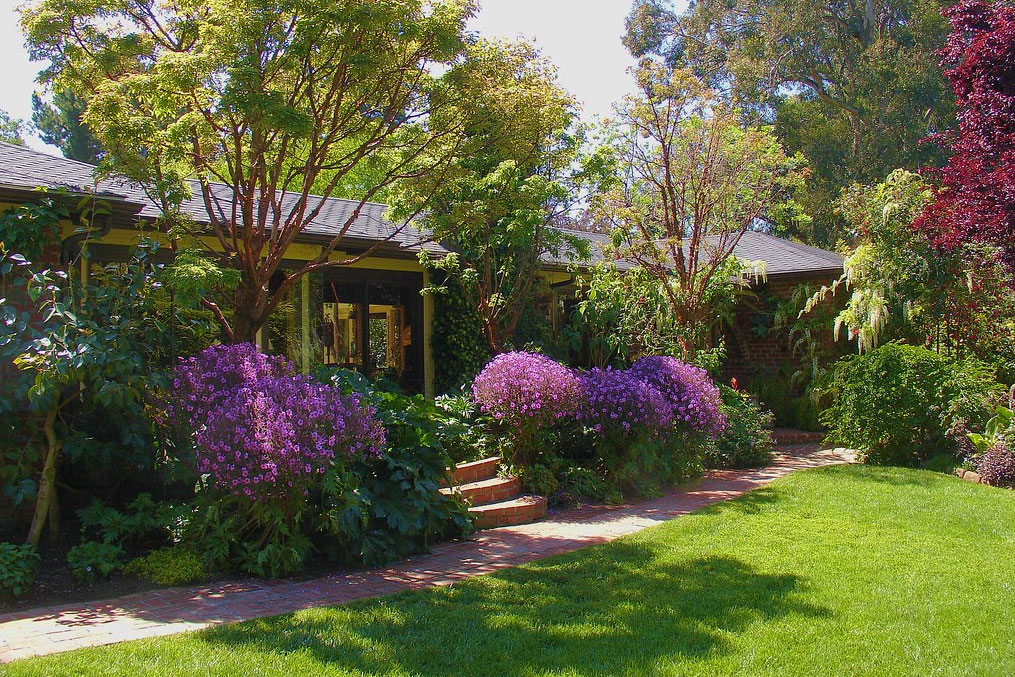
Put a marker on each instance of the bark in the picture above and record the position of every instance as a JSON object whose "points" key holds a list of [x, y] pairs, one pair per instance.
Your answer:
{"points": [[47, 482]]}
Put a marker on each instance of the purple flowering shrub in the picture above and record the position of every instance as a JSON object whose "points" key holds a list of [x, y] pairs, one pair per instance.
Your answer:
{"points": [[200, 383], [617, 403], [265, 438], [997, 466], [526, 389], [695, 400], [273, 435]]}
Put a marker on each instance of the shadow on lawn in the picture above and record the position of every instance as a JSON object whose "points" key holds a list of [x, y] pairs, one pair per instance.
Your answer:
{"points": [[605, 609]]}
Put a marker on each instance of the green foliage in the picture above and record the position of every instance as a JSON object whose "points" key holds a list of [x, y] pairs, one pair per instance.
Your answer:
{"points": [[458, 342], [746, 442], [900, 404], [997, 430], [92, 560], [142, 520], [519, 170], [17, 568], [387, 507], [696, 180], [176, 565], [854, 87], [464, 431], [12, 130], [27, 229]]}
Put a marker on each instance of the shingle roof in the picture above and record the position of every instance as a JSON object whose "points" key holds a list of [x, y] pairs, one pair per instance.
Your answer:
{"points": [[27, 168], [781, 256]]}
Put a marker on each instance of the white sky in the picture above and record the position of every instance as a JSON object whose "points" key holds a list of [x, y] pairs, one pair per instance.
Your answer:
{"points": [[582, 37]]}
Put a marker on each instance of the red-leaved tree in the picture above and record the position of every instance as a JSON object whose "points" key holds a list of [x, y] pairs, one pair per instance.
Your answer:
{"points": [[975, 197]]}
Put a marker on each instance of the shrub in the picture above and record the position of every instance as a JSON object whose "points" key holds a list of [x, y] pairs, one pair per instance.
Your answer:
{"points": [[142, 520], [900, 404], [997, 466], [176, 565], [693, 397], [92, 559], [265, 438], [17, 568], [270, 437], [528, 393], [526, 390], [618, 404], [746, 441]]}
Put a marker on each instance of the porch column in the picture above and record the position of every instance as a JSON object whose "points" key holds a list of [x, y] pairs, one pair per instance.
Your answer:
{"points": [[428, 364], [305, 321]]}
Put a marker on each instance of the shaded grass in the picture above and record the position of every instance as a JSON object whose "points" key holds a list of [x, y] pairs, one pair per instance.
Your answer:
{"points": [[842, 570]]}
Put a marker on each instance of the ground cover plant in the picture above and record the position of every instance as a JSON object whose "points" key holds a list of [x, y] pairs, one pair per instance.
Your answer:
{"points": [[844, 570]]}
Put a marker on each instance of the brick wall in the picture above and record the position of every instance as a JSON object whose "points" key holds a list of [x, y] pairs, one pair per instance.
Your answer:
{"points": [[748, 352]]}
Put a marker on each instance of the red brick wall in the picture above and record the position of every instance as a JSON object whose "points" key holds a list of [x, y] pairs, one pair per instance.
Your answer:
{"points": [[749, 353]]}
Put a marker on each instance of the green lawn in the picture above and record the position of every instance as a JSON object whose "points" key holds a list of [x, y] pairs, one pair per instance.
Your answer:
{"points": [[843, 570]]}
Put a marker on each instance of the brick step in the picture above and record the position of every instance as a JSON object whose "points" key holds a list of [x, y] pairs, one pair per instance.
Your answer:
{"points": [[487, 491], [785, 436], [521, 510], [474, 471]]}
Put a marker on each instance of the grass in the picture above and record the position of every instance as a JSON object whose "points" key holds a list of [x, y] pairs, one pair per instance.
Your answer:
{"points": [[842, 570]]}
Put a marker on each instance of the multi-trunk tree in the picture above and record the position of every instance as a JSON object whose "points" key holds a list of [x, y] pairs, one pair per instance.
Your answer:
{"points": [[696, 182], [255, 106]]}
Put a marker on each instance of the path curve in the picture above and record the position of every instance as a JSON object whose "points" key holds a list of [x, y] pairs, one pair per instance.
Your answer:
{"points": [[47, 630]]}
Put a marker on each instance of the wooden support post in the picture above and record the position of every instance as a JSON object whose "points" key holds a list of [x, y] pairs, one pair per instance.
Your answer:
{"points": [[305, 317]]}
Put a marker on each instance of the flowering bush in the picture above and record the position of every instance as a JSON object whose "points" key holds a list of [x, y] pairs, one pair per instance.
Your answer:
{"points": [[273, 434], [997, 466], [694, 398], [526, 390], [202, 382], [618, 403], [258, 428]]}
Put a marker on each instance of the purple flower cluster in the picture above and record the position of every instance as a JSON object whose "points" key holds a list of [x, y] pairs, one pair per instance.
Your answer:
{"points": [[526, 389], [618, 403], [693, 396], [261, 430]]}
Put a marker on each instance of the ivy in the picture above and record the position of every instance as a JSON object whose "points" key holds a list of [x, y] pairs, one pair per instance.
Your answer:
{"points": [[460, 349]]}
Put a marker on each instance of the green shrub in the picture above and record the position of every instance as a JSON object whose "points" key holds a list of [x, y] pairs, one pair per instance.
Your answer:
{"points": [[176, 565], [538, 479], [92, 559], [901, 404], [747, 441], [17, 568]]}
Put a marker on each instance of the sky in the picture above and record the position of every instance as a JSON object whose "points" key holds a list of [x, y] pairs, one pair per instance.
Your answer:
{"points": [[582, 37]]}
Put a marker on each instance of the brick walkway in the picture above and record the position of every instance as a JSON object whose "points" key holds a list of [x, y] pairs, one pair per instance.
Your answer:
{"points": [[164, 612]]}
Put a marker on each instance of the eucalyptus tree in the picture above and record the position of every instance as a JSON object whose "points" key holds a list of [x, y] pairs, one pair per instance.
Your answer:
{"points": [[253, 106]]}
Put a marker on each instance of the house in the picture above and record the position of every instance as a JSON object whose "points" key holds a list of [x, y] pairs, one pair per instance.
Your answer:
{"points": [[369, 315]]}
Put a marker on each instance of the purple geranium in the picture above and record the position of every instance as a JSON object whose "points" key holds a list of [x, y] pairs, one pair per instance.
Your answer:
{"points": [[259, 429], [693, 397], [618, 403], [526, 390]]}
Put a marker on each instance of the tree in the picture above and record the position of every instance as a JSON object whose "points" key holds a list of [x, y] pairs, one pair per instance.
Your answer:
{"points": [[698, 181], [517, 176], [256, 101], [976, 196], [854, 86], [11, 129], [59, 124]]}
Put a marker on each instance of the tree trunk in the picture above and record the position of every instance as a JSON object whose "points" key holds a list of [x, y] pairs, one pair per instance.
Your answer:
{"points": [[47, 483]]}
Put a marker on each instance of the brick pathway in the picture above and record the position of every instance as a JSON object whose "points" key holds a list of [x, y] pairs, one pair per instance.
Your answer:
{"points": [[164, 612]]}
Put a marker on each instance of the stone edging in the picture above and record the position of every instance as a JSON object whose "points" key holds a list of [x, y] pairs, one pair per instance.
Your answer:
{"points": [[968, 475]]}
